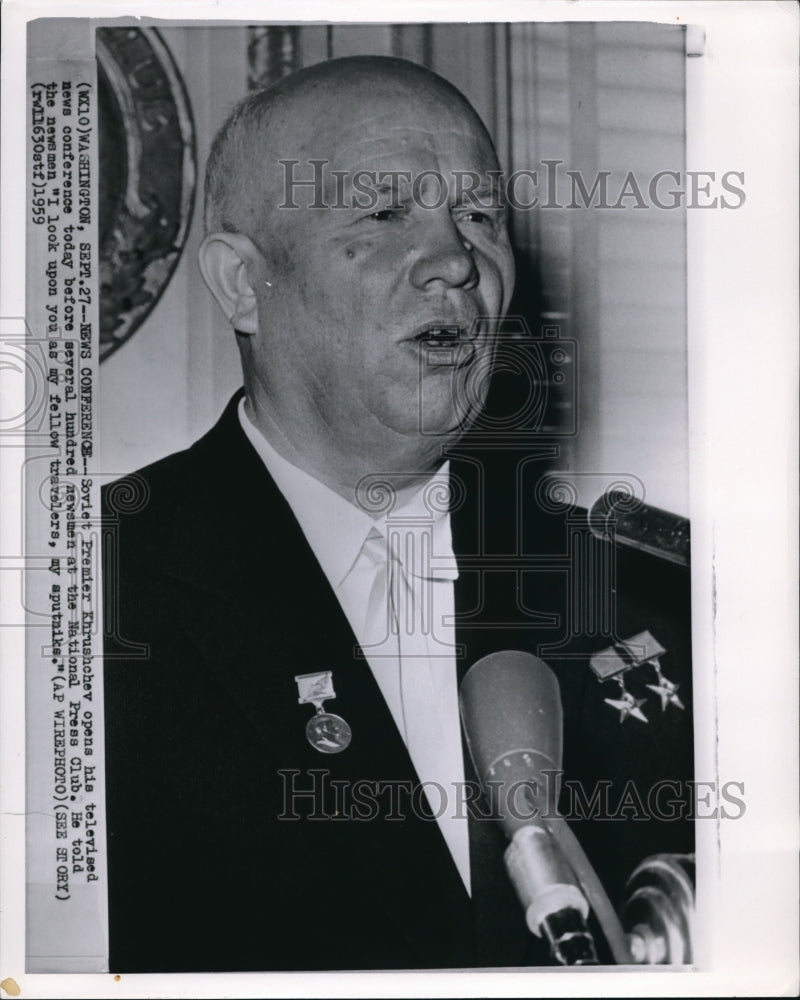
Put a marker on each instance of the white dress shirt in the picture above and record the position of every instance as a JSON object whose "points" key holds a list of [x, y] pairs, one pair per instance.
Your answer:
{"points": [[392, 572]]}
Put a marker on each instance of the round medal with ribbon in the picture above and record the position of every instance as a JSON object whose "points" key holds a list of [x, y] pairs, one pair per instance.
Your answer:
{"points": [[325, 731]]}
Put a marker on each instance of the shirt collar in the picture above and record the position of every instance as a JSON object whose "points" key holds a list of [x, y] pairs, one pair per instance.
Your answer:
{"points": [[335, 528]]}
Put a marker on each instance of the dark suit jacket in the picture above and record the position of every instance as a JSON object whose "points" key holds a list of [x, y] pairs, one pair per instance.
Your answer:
{"points": [[214, 602]]}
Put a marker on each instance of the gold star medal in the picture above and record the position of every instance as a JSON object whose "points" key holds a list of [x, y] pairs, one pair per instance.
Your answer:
{"points": [[325, 731], [626, 704], [665, 689]]}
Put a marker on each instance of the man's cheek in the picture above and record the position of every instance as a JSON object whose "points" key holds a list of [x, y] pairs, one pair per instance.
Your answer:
{"points": [[279, 258], [354, 249], [499, 279]]}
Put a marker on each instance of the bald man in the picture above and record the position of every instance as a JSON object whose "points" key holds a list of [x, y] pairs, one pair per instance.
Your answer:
{"points": [[285, 771], [331, 304]]}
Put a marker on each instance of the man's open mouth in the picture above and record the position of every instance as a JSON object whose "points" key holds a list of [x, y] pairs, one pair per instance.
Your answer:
{"points": [[446, 344], [436, 334]]}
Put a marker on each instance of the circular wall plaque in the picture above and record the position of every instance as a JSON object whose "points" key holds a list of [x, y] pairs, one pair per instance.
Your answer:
{"points": [[146, 177]]}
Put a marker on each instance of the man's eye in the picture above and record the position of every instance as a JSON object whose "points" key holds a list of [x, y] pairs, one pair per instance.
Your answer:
{"points": [[481, 218], [386, 214]]}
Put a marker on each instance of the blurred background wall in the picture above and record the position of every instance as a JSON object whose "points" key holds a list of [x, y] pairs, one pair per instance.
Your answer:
{"points": [[589, 98]]}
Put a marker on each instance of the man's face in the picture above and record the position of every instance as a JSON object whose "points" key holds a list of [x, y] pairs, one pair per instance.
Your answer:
{"points": [[354, 296]]}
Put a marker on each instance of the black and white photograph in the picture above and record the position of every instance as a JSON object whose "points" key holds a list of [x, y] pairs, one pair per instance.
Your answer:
{"points": [[385, 540], [379, 518]]}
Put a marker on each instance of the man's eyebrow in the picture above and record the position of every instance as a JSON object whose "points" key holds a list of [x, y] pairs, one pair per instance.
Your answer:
{"points": [[465, 187], [391, 185], [488, 191], [487, 188], [394, 187]]}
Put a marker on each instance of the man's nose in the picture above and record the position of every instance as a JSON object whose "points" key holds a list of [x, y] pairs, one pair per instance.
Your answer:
{"points": [[445, 259]]}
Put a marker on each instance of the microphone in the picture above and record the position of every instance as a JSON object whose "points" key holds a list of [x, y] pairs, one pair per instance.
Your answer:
{"points": [[615, 516], [512, 716]]}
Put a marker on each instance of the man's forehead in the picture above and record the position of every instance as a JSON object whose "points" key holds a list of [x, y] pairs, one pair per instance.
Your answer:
{"points": [[341, 123], [349, 116], [392, 142], [400, 147]]}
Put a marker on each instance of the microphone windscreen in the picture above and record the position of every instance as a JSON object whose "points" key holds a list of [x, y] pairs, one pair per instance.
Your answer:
{"points": [[512, 716]]}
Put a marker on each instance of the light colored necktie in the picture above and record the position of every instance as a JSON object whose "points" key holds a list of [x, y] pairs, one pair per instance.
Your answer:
{"points": [[380, 627], [398, 630]]}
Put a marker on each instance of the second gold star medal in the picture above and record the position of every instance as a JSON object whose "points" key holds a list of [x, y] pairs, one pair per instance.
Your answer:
{"points": [[325, 731]]}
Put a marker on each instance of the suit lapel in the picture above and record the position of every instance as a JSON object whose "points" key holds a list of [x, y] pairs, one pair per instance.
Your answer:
{"points": [[255, 599]]}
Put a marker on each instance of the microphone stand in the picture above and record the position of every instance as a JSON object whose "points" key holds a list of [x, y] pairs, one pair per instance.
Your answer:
{"points": [[571, 941], [556, 885]]}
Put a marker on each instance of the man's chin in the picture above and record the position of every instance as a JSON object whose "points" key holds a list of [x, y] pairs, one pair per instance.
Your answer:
{"points": [[451, 413], [422, 423]]}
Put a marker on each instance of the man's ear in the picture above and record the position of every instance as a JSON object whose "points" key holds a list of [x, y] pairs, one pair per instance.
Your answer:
{"points": [[230, 264]]}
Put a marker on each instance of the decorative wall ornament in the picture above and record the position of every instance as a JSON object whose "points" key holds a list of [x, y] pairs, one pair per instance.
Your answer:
{"points": [[272, 52], [275, 50], [147, 176]]}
